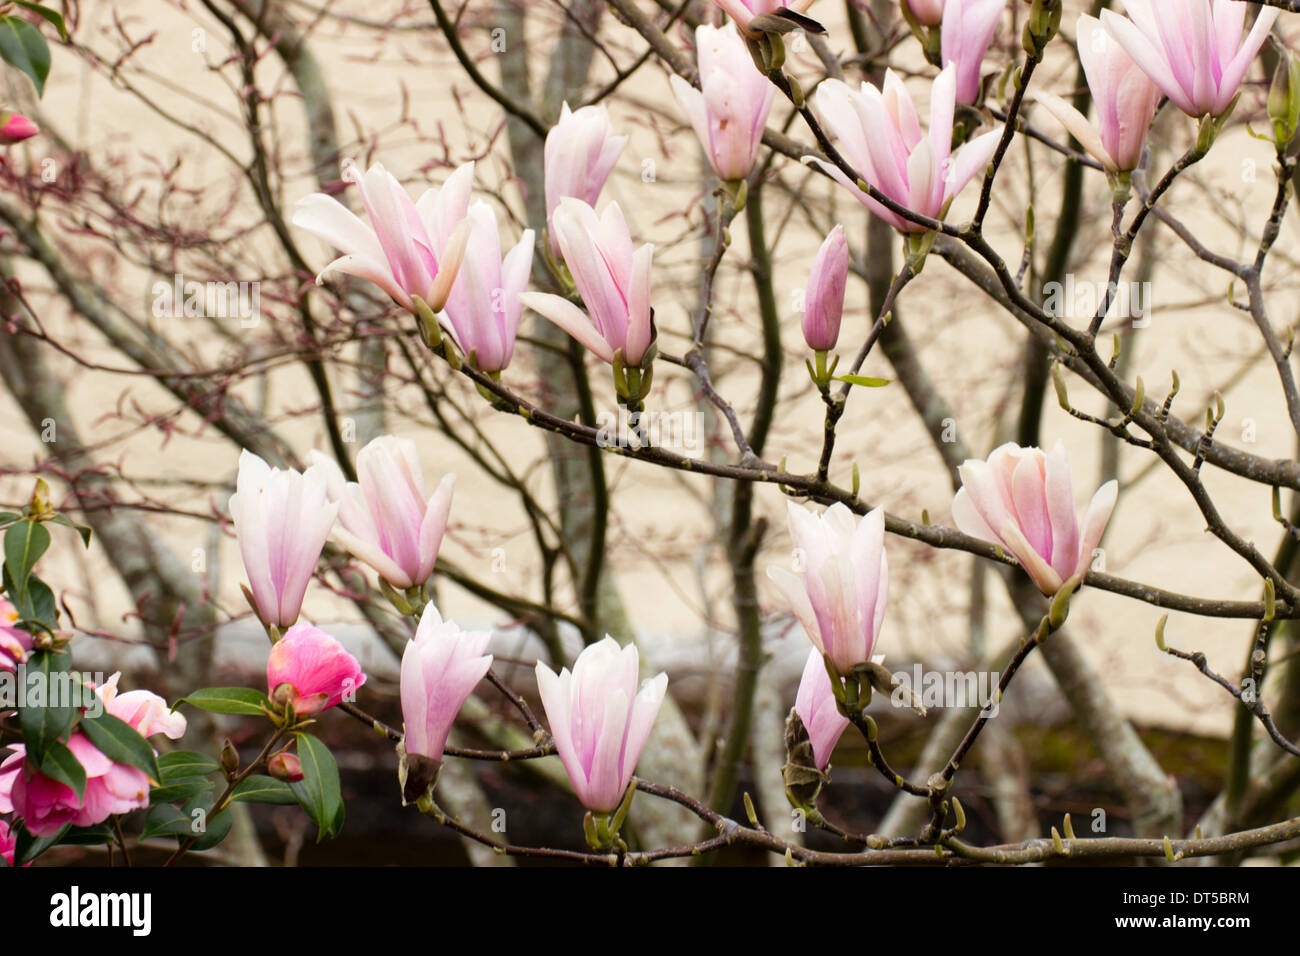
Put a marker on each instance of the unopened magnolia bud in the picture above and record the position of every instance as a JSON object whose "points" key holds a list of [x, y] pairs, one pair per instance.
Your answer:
{"points": [[1284, 100], [284, 766], [229, 759], [803, 780]]}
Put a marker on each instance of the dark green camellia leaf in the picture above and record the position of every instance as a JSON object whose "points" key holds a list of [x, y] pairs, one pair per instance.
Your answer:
{"points": [[186, 763], [227, 700], [43, 726], [179, 788], [213, 827], [53, 16], [165, 820], [256, 788], [318, 791], [61, 764], [87, 836], [120, 742], [218, 829], [35, 605], [23, 47], [81, 529], [26, 540], [29, 847]]}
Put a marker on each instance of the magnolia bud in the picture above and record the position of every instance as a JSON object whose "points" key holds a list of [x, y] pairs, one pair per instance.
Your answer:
{"points": [[1284, 100], [284, 766]]}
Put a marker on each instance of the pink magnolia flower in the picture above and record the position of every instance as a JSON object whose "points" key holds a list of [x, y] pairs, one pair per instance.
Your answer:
{"points": [[144, 710], [45, 805], [1023, 500], [441, 666], [612, 278], [928, 13], [1125, 99], [314, 666], [815, 704], [880, 135], [409, 248], [742, 11], [15, 643], [579, 155], [966, 33], [387, 518], [730, 112], [15, 127], [824, 299], [483, 307], [1191, 49], [282, 519], [841, 583], [599, 720]]}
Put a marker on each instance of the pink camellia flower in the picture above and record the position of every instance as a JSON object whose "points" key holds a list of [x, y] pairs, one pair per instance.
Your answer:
{"points": [[144, 710], [483, 307], [15, 643], [8, 843], [599, 720], [1125, 99], [282, 519], [314, 667], [409, 248], [1022, 499], [967, 30], [730, 113], [612, 277], [823, 305], [441, 666], [880, 134], [45, 805], [841, 583], [928, 13], [15, 127], [387, 519], [1191, 49], [742, 11], [815, 704], [579, 155]]}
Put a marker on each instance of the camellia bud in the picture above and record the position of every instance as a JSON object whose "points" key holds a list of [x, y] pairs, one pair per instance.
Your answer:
{"points": [[284, 766], [1284, 100], [15, 127], [229, 759]]}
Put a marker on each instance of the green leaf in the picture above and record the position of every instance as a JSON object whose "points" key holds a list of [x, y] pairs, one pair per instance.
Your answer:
{"points": [[35, 606], [218, 829], [8, 517], [186, 763], [179, 788], [227, 700], [81, 529], [318, 791], [61, 764], [23, 47], [866, 381], [257, 788], [165, 820], [25, 541], [53, 16], [120, 742], [29, 847], [87, 836], [43, 726]]}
